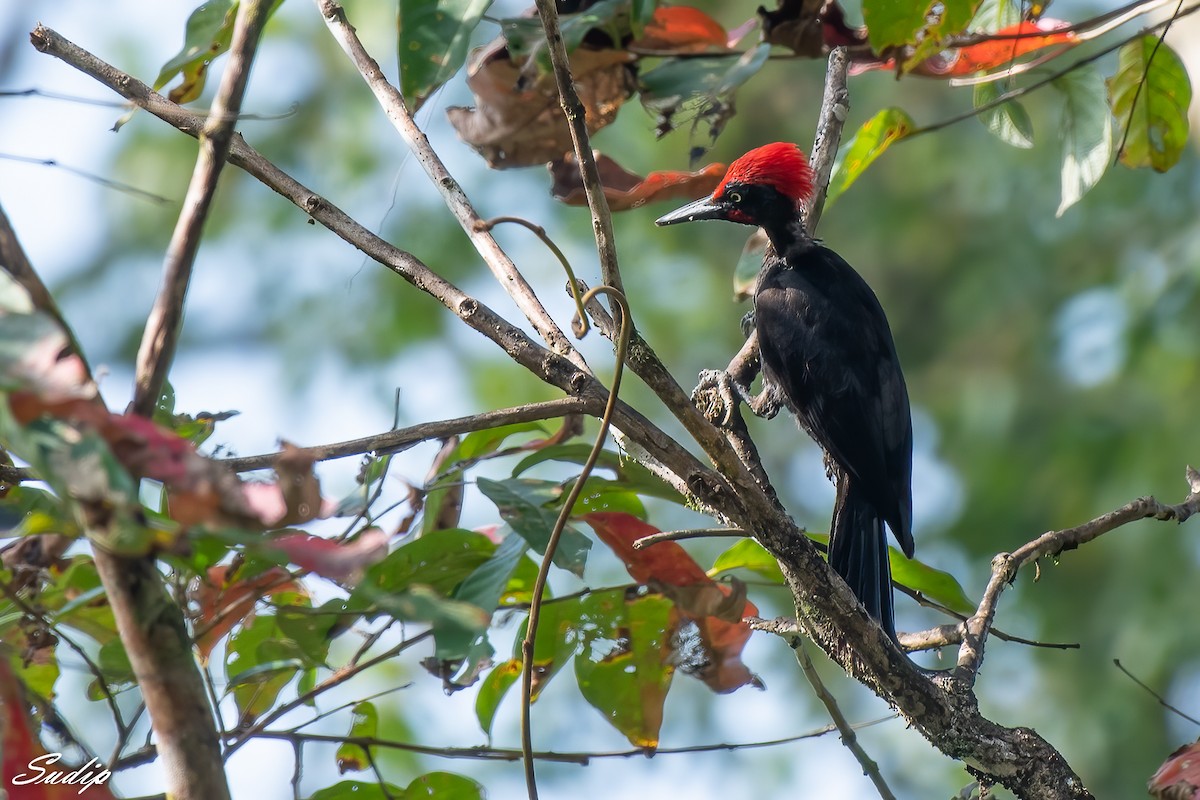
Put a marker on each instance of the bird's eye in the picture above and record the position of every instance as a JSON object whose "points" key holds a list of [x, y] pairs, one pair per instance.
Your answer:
{"points": [[735, 197]]}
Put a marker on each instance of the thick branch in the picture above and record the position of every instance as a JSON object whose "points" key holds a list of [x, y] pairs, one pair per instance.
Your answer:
{"points": [[403, 438], [166, 317], [496, 259]]}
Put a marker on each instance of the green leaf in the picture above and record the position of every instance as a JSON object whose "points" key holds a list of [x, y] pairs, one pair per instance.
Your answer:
{"points": [[421, 604], [474, 447], [525, 38], [433, 42], [207, 35], [557, 640], [364, 724], [891, 23], [492, 690], [440, 560], [705, 84], [629, 473], [360, 790], [309, 629], [935, 584], [443, 786], [1008, 121], [1086, 133], [484, 586], [258, 666], [869, 142], [523, 505], [42, 672], [624, 669], [748, 554], [953, 17], [1153, 122], [992, 15]]}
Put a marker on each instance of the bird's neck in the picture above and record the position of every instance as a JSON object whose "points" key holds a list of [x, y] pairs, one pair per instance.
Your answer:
{"points": [[787, 233]]}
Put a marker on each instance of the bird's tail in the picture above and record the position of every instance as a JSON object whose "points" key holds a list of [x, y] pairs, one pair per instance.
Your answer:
{"points": [[858, 552]]}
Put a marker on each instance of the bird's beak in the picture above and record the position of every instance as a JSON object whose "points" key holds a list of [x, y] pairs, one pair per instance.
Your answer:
{"points": [[704, 208]]}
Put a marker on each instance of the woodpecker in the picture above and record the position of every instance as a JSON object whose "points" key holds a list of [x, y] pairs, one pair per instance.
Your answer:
{"points": [[827, 355]]}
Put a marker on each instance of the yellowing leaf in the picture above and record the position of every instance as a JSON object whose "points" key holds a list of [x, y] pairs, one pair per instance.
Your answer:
{"points": [[878, 134], [1150, 95]]}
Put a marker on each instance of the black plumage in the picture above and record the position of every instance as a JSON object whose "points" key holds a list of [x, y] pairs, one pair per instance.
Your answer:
{"points": [[827, 354]]}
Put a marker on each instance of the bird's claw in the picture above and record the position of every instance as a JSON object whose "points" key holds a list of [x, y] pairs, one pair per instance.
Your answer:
{"points": [[717, 395]]}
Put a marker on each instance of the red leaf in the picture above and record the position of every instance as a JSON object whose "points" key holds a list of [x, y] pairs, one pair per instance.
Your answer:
{"points": [[624, 189], [681, 29], [998, 52], [987, 55], [339, 561], [716, 609], [224, 605], [1179, 776]]}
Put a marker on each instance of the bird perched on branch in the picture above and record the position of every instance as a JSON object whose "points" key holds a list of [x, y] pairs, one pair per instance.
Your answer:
{"points": [[827, 355]]}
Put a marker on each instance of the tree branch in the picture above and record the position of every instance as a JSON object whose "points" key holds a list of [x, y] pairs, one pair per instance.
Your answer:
{"points": [[687, 473], [401, 439], [589, 173], [1006, 565], [161, 335], [496, 259], [835, 105]]}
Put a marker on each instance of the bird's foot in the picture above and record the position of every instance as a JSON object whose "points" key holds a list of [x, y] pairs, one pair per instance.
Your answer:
{"points": [[718, 395], [748, 324]]}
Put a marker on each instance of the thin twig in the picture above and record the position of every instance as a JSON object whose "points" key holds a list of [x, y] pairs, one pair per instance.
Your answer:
{"points": [[101, 683], [392, 102], [401, 439], [1006, 565], [690, 533], [1161, 701], [99, 180], [161, 335], [336, 679], [849, 736], [580, 758], [539, 585]]}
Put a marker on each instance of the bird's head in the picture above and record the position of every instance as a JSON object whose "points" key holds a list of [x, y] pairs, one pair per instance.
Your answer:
{"points": [[764, 187]]}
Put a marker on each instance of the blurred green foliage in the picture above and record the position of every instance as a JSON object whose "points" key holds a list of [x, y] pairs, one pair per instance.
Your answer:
{"points": [[1056, 361]]}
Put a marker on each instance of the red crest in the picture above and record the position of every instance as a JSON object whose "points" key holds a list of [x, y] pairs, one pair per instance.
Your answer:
{"points": [[780, 164]]}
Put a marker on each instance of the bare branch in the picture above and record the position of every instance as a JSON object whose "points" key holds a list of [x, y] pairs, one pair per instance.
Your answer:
{"points": [[686, 471], [692, 533], [849, 736], [582, 759], [835, 105], [157, 350], [396, 441], [496, 259], [1006, 565]]}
